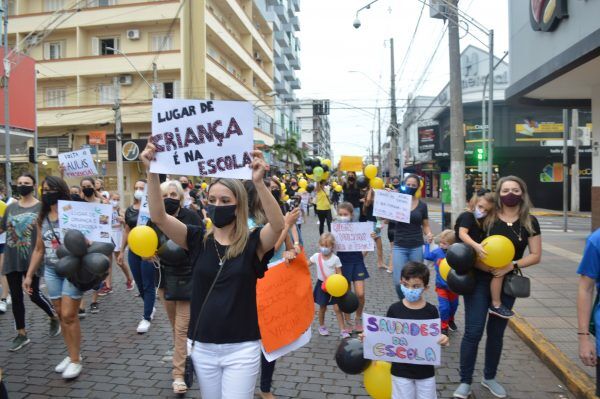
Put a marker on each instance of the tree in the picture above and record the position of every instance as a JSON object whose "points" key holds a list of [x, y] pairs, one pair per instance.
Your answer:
{"points": [[287, 151]]}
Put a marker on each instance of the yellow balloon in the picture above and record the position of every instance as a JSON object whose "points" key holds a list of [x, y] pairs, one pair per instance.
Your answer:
{"points": [[143, 241], [377, 183], [444, 269], [334, 184], [301, 190], [419, 192], [370, 171], [204, 185], [286, 197], [302, 183], [325, 176], [500, 251], [311, 177], [282, 186], [208, 224], [2, 208], [326, 162], [338, 188], [336, 285], [378, 380]]}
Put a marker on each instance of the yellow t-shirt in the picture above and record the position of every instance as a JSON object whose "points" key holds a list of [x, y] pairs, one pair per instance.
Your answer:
{"points": [[323, 203]]}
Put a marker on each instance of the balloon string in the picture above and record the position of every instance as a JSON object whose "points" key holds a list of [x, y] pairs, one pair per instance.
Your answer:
{"points": [[157, 266]]}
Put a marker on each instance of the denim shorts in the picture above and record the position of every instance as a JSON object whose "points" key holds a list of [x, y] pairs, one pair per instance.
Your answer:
{"points": [[59, 286]]}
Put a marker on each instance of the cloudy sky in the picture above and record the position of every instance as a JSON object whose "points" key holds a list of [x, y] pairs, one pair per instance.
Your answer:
{"points": [[331, 47]]}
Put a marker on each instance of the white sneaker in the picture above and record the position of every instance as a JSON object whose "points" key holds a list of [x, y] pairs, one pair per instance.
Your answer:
{"points": [[143, 326], [72, 371], [62, 366], [153, 312], [3, 306], [8, 300]]}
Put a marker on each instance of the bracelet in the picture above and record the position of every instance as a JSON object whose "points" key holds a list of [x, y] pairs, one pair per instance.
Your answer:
{"points": [[580, 333]]}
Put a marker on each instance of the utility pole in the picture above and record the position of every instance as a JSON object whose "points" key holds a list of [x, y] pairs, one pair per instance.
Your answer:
{"points": [[155, 82], [393, 130], [5, 79], [490, 144], [565, 169], [575, 167], [373, 147], [457, 143], [119, 142], [379, 140]]}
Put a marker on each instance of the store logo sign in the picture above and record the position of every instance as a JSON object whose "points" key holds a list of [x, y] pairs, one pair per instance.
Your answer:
{"points": [[545, 15]]}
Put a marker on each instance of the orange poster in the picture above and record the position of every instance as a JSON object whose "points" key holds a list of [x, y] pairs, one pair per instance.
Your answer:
{"points": [[285, 303]]}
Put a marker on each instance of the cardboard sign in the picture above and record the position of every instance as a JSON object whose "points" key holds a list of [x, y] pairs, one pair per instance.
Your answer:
{"points": [[353, 237], [392, 205], [93, 220], [402, 341], [202, 138], [78, 163], [285, 303], [351, 163], [144, 215]]}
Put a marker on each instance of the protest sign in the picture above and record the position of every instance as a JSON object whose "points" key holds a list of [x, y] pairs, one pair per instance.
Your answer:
{"points": [[402, 341], [352, 237], [285, 303], [202, 138], [350, 163], [392, 205], [92, 219], [144, 215], [78, 163]]}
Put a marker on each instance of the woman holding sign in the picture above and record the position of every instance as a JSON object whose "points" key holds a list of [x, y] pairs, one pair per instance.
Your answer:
{"points": [[224, 338]]}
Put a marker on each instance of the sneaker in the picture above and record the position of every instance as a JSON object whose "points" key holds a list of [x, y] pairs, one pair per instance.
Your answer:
{"points": [[72, 371], [153, 312], [19, 342], [130, 284], [345, 334], [495, 388], [54, 327], [323, 331], [452, 326], [3, 306], [94, 308], [501, 311], [8, 300], [104, 291], [389, 271], [445, 331], [143, 326], [463, 391], [62, 366], [81, 313]]}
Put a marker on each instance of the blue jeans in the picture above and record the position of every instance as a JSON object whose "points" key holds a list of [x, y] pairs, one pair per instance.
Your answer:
{"points": [[143, 274], [59, 286], [476, 314], [399, 258]]}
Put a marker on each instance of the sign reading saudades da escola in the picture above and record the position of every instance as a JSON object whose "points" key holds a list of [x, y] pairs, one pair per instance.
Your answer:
{"points": [[545, 15]]}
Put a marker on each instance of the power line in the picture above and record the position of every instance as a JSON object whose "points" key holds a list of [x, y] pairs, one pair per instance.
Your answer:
{"points": [[404, 60]]}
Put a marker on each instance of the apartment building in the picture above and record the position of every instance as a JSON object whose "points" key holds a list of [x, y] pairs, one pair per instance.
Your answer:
{"points": [[313, 120], [209, 49]]}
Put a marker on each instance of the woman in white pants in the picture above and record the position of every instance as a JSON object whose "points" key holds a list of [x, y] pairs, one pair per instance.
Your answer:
{"points": [[223, 334]]}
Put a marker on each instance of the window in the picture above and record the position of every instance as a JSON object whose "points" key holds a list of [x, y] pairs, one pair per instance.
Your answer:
{"points": [[56, 97], [105, 45], [53, 50], [101, 3], [169, 89], [62, 143], [53, 5], [106, 93], [162, 42]]}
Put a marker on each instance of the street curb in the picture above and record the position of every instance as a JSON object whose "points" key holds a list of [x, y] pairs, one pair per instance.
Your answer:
{"points": [[558, 214], [577, 381]]}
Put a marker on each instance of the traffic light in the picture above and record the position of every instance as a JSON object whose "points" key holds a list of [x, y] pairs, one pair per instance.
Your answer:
{"points": [[480, 154]]}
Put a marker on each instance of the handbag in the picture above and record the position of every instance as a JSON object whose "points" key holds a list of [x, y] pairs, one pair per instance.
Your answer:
{"points": [[517, 285], [188, 373], [178, 283]]}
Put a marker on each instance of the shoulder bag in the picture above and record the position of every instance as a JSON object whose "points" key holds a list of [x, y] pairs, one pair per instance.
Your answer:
{"points": [[178, 283], [517, 285], [320, 261]]}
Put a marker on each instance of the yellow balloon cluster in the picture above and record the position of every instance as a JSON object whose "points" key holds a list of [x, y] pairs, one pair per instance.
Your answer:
{"points": [[377, 183], [302, 183], [370, 171]]}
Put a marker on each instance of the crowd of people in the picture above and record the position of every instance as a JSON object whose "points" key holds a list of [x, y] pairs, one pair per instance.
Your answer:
{"points": [[230, 231]]}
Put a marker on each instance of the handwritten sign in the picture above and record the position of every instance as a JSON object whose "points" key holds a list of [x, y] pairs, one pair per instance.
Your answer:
{"points": [[353, 237], [92, 219], [285, 303], [78, 163], [350, 163], [392, 205], [202, 138], [144, 214], [402, 341]]}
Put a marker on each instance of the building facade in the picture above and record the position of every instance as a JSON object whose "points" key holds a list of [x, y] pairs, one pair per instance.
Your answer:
{"points": [[208, 49], [314, 124]]}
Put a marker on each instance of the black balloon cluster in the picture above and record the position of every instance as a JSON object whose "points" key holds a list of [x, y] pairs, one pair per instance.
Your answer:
{"points": [[312, 163], [461, 259], [84, 266], [172, 254]]}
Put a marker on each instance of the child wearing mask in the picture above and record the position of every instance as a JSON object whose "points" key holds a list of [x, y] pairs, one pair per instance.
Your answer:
{"points": [[327, 264], [447, 300]]}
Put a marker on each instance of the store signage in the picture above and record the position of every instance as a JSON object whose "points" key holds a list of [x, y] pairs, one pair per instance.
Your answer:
{"points": [[427, 135], [545, 15], [97, 137], [131, 149]]}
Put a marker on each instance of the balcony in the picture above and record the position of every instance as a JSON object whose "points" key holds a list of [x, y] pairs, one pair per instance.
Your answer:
{"points": [[282, 38], [281, 11], [295, 5], [295, 21], [277, 76], [295, 84], [295, 63], [289, 75], [282, 88], [290, 53], [282, 63]]}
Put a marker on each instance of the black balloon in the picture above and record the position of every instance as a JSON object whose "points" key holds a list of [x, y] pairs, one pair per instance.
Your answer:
{"points": [[316, 162], [68, 266], [325, 168], [349, 356], [460, 257], [348, 303], [75, 242], [362, 182], [104, 248], [96, 263], [461, 284], [310, 188], [308, 170], [172, 254], [62, 251], [307, 162], [85, 280]]}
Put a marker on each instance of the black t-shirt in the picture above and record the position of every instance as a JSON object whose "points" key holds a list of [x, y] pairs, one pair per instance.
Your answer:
{"points": [[131, 216], [352, 194], [468, 221], [405, 370], [185, 216], [230, 314], [410, 235], [514, 232]]}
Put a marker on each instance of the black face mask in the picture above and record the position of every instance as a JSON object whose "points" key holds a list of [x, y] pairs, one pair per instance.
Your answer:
{"points": [[198, 186], [184, 185], [25, 190], [89, 191], [50, 198], [171, 205], [351, 179], [75, 197], [276, 194], [221, 216]]}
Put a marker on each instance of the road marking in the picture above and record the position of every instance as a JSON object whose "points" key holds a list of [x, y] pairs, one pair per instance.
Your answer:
{"points": [[565, 253]]}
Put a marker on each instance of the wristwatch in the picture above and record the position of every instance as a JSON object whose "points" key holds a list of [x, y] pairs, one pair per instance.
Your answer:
{"points": [[515, 264]]}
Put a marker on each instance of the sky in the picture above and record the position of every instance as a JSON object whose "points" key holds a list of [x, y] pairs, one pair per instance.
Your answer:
{"points": [[331, 47]]}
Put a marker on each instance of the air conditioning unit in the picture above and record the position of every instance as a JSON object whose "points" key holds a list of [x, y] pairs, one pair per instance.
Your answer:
{"points": [[133, 34], [257, 56], [125, 80], [52, 152]]}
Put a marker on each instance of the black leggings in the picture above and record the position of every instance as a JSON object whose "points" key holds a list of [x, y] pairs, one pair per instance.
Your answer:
{"points": [[266, 373], [15, 281], [324, 215]]}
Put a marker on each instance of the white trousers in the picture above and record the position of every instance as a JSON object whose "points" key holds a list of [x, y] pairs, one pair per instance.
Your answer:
{"points": [[404, 388], [226, 371]]}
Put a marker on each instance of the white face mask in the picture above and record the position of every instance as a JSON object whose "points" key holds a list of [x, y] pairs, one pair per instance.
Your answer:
{"points": [[138, 195], [114, 203], [479, 214], [344, 219]]}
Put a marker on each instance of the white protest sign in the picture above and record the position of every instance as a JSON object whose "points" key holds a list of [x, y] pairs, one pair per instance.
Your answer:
{"points": [[392, 205], [402, 341], [353, 237], [202, 138], [92, 219], [78, 163], [144, 214]]}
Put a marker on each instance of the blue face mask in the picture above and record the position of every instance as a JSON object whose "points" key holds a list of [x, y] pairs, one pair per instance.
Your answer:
{"points": [[344, 219], [408, 190], [325, 250], [411, 294]]}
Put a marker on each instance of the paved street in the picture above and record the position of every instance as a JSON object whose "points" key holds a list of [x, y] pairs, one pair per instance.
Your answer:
{"points": [[118, 363]]}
